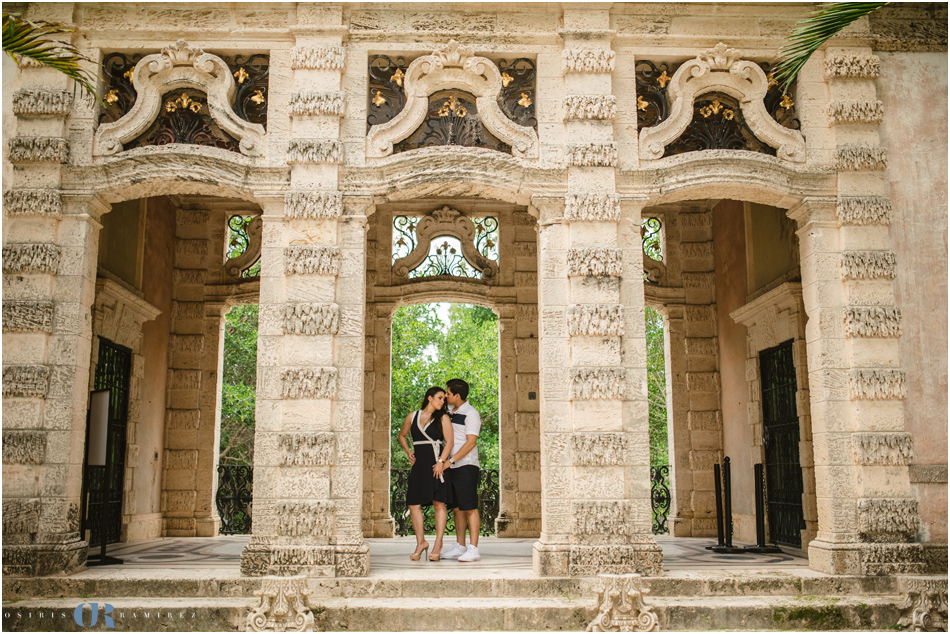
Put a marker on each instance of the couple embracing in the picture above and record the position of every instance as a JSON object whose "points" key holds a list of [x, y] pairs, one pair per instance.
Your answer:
{"points": [[445, 471]]}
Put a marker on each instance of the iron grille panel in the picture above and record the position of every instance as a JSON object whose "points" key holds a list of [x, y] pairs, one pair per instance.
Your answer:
{"points": [[487, 504], [234, 498], [661, 498]]}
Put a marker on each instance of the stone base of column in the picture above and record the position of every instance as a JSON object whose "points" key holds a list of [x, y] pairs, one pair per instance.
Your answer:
{"points": [[379, 527], [263, 557], [935, 558], [569, 560], [207, 526], [866, 559], [37, 560]]}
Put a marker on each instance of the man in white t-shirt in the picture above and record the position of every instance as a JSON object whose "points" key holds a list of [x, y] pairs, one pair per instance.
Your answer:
{"points": [[463, 473]]}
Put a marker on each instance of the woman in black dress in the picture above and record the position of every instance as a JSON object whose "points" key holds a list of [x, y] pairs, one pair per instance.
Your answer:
{"points": [[431, 431]]}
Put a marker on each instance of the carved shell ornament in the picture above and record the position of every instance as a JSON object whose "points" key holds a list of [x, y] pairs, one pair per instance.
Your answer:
{"points": [[180, 66], [721, 69], [452, 67]]}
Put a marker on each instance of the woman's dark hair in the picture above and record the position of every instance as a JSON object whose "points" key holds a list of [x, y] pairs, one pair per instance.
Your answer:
{"points": [[432, 391]]}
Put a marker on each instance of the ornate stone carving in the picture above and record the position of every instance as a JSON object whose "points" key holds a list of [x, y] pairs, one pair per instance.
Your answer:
{"points": [[592, 207], [42, 103], [892, 559], [597, 383], [597, 107], [620, 599], [883, 448], [859, 158], [873, 321], [307, 449], [864, 210], [850, 65], [39, 149], [26, 380], [924, 608], [588, 561], [445, 222], [595, 320], [587, 60], [721, 69], [869, 265], [311, 319], [314, 151], [255, 241], [318, 58], [599, 449], [32, 202], [883, 520], [313, 205], [308, 382], [592, 154], [595, 262], [283, 607], [27, 317], [841, 111], [316, 102], [308, 260], [21, 515], [180, 66], [23, 447], [599, 517], [300, 519], [452, 67], [875, 385]]}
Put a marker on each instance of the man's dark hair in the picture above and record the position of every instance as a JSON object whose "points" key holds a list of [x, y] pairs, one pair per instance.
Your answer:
{"points": [[458, 386]]}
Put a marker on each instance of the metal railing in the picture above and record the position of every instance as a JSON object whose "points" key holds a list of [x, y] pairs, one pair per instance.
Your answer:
{"points": [[234, 498], [660, 492], [487, 504]]}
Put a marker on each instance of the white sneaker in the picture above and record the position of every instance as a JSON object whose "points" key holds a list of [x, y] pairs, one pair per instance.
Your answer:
{"points": [[471, 554], [455, 551]]}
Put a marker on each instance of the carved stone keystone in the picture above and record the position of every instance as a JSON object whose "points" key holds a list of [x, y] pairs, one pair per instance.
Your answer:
{"points": [[621, 605], [283, 607]]}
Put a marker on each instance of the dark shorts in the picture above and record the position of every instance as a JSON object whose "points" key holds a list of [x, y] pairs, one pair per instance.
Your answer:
{"points": [[463, 482]]}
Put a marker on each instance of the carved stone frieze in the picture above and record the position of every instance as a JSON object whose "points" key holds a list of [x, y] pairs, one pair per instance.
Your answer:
{"points": [[260, 557], [42, 103], [592, 206], [600, 517], [873, 321], [592, 154], [695, 220], [283, 607], [869, 265], [318, 58], [854, 66], [883, 448], [186, 343], [595, 320], [597, 383], [587, 60], [23, 447], [300, 519], [32, 202], [310, 260], [842, 111], [39, 149], [307, 449], [876, 385], [27, 316], [311, 319], [316, 102], [308, 382], [924, 608], [314, 151], [860, 158], [313, 205], [595, 262], [599, 449], [696, 250], [588, 561], [620, 599], [26, 380], [21, 515], [892, 559], [888, 520], [864, 210], [596, 107]]}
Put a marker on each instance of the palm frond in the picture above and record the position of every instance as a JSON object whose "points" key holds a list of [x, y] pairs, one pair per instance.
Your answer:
{"points": [[23, 38], [811, 33]]}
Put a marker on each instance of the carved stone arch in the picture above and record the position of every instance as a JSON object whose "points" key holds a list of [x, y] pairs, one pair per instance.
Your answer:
{"points": [[180, 66], [452, 67], [721, 70], [445, 222]]}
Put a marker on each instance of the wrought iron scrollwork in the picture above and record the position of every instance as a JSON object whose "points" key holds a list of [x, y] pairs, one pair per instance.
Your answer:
{"points": [[650, 234], [387, 95], [250, 75], [404, 236], [234, 498], [119, 96], [779, 104], [487, 504], [717, 124], [517, 91], [486, 236], [652, 103], [184, 118], [452, 119], [661, 498], [244, 246], [446, 256]]}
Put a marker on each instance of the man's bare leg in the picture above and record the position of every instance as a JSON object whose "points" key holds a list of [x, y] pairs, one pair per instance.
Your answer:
{"points": [[474, 524], [460, 525]]}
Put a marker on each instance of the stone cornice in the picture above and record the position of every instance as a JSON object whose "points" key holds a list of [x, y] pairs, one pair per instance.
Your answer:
{"points": [[785, 297], [107, 290]]}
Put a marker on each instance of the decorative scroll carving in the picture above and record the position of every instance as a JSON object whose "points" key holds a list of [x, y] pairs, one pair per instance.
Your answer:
{"points": [[23, 447], [254, 231], [864, 210], [32, 202], [452, 68], [180, 67], [592, 155], [620, 599], [315, 102], [596, 107], [445, 222], [860, 158], [855, 66], [869, 265], [307, 449], [308, 260], [873, 321], [28, 317], [26, 380], [314, 151], [313, 205], [595, 262], [924, 608], [39, 149], [601, 518], [721, 70], [42, 103], [318, 58], [840, 111], [308, 382], [592, 206], [601, 449], [883, 448], [882, 520], [296, 519], [587, 60], [588, 384], [21, 516], [283, 607], [876, 385], [311, 319], [595, 320]]}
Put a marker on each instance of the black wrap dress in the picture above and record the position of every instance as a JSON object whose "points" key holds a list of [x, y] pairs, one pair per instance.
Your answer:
{"points": [[423, 487]]}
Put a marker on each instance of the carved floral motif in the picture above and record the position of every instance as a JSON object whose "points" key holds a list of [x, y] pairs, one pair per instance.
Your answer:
{"points": [[310, 260], [869, 265], [924, 608], [308, 382], [595, 262], [595, 320], [592, 206], [311, 319], [283, 607], [597, 383], [620, 599]]}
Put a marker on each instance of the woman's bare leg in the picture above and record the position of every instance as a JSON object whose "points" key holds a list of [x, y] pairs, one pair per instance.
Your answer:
{"points": [[415, 514], [441, 517]]}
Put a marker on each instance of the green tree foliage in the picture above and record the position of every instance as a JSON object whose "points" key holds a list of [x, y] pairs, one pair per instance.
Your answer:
{"points": [[656, 388], [427, 352], [239, 383]]}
